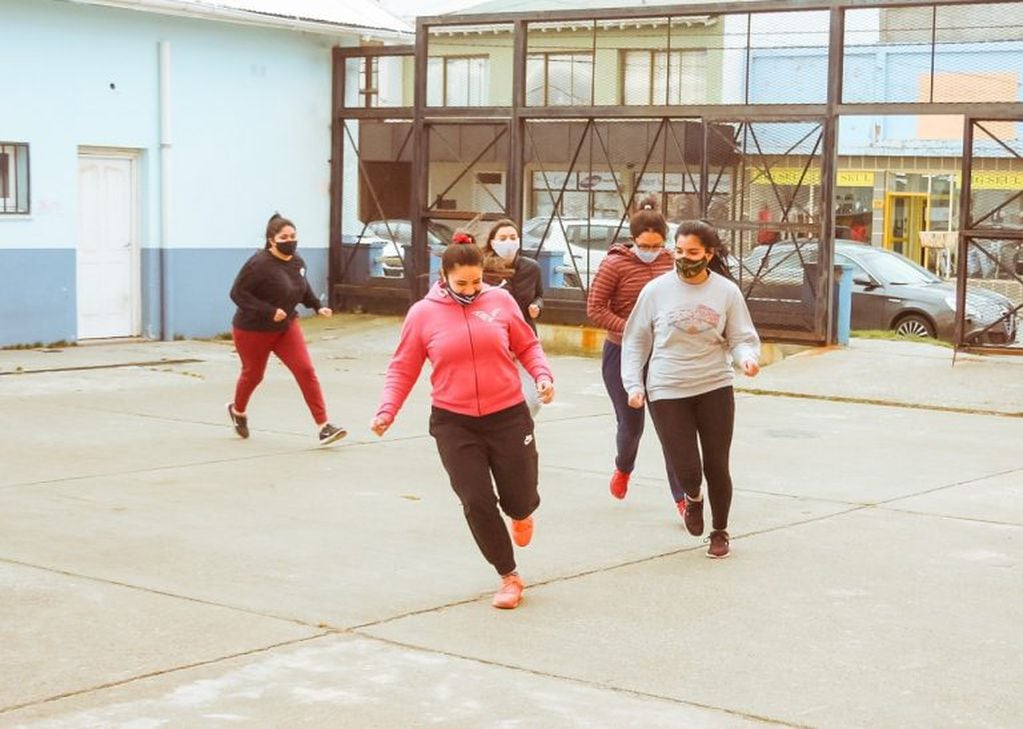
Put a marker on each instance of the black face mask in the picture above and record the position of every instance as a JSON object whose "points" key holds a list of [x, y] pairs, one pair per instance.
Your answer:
{"points": [[286, 247]]}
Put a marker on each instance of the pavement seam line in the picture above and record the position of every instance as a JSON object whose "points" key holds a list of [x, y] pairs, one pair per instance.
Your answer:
{"points": [[927, 492], [164, 593], [581, 681], [601, 570], [81, 368], [164, 672], [972, 520], [878, 402]]}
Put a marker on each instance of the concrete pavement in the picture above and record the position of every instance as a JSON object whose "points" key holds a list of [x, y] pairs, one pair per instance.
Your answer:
{"points": [[157, 571]]}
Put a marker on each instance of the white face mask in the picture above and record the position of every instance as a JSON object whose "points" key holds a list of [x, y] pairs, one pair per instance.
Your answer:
{"points": [[506, 249], [647, 256]]}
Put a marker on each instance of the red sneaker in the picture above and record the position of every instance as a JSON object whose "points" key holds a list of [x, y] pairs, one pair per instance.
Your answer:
{"points": [[681, 506], [619, 484], [510, 594], [522, 531]]}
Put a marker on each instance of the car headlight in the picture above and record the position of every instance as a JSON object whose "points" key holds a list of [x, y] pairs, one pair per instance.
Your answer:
{"points": [[971, 310]]}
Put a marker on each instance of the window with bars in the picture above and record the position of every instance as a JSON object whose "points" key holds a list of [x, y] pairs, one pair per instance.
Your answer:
{"points": [[559, 79], [672, 78], [458, 81], [14, 187]]}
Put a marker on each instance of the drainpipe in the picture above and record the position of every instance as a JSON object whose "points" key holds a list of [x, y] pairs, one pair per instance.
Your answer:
{"points": [[166, 324]]}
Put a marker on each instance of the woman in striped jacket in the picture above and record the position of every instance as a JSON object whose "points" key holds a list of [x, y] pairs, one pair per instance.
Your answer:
{"points": [[627, 268]]}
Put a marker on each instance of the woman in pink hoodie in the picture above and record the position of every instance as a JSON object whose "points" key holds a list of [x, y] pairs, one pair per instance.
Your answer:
{"points": [[472, 335]]}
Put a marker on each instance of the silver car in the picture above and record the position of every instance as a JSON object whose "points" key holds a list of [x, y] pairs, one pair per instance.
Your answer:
{"points": [[583, 243], [889, 292]]}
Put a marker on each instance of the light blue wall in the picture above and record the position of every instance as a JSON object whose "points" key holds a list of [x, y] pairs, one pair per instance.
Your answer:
{"points": [[37, 299], [250, 111], [204, 308]]}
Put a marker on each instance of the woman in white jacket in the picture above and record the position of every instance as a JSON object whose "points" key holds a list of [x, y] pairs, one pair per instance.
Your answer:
{"points": [[688, 327]]}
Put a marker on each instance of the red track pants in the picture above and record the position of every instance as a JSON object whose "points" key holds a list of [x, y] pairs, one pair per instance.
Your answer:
{"points": [[254, 349]]}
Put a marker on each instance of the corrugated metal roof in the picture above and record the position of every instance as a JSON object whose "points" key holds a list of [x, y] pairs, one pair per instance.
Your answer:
{"points": [[535, 6], [327, 16]]}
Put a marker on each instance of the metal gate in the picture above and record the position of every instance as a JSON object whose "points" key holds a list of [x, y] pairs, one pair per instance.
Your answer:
{"points": [[990, 258]]}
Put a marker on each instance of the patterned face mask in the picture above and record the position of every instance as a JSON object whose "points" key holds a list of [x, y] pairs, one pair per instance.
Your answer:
{"points": [[690, 269]]}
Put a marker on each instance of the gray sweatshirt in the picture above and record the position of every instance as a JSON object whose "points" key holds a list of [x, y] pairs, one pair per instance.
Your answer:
{"points": [[691, 334]]}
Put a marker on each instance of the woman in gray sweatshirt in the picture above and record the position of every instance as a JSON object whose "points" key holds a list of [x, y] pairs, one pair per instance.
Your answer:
{"points": [[688, 328]]}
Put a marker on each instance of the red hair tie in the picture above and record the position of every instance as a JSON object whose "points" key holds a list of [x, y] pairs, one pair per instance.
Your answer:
{"points": [[459, 238]]}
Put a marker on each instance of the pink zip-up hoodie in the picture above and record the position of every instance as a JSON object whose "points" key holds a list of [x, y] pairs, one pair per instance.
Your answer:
{"points": [[472, 349]]}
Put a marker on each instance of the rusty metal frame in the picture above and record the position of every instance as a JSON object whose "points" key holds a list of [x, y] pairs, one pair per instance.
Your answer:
{"points": [[517, 115], [972, 229]]}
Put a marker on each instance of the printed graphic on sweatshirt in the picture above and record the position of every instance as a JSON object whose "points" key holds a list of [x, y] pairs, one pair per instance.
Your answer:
{"points": [[693, 320], [490, 317]]}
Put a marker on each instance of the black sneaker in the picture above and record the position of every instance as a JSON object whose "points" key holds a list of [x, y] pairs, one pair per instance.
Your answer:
{"points": [[330, 433], [693, 517], [241, 422], [718, 548]]}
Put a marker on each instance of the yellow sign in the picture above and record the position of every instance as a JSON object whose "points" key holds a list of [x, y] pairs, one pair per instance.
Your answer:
{"points": [[993, 180], [812, 176], [855, 178]]}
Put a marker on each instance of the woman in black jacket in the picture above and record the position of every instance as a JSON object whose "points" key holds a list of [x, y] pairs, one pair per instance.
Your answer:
{"points": [[267, 289], [504, 265]]}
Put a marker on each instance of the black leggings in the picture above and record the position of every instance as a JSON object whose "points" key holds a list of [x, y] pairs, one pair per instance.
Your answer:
{"points": [[471, 449], [711, 417]]}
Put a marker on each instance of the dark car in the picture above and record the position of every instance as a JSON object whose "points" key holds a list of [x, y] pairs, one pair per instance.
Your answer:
{"points": [[889, 292]]}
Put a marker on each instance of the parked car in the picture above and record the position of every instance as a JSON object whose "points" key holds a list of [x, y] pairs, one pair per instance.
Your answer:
{"points": [[583, 243], [889, 292], [397, 236]]}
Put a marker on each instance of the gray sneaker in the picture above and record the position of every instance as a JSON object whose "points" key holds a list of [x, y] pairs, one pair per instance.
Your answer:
{"points": [[330, 433]]}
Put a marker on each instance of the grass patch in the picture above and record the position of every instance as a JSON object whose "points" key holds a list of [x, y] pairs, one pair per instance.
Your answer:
{"points": [[59, 344]]}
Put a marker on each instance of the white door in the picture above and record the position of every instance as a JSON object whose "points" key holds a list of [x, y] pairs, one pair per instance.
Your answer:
{"points": [[108, 268]]}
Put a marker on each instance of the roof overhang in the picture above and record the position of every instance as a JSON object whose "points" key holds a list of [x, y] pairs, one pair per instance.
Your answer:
{"points": [[373, 24]]}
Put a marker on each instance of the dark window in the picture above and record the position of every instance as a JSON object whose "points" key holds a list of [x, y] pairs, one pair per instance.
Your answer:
{"points": [[14, 188]]}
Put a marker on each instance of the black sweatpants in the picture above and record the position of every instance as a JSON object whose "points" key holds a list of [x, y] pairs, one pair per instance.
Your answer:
{"points": [[711, 418], [474, 448], [629, 421]]}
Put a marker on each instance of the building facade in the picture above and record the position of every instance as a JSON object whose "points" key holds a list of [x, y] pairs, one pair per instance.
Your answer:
{"points": [[144, 145]]}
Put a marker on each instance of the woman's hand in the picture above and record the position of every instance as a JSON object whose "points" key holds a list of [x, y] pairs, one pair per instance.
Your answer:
{"points": [[325, 311], [280, 315], [534, 311], [545, 391], [750, 368], [636, 400], [380, 424]]}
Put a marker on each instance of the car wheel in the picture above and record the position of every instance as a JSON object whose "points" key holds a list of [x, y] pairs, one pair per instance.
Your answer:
{"points": [[914, 325]]}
